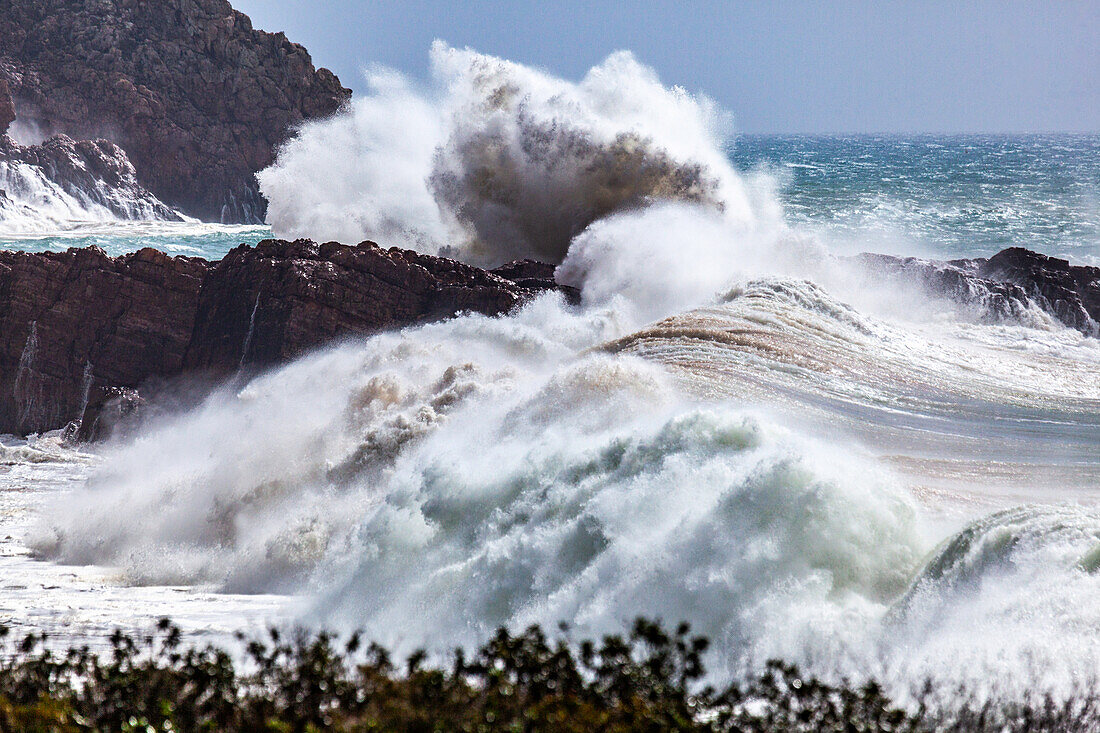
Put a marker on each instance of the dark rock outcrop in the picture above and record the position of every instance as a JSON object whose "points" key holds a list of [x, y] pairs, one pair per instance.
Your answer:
{"points": [[1005, 286], [1071, 293], [270, 303], [197, 97], [92, 172], [78, 328], [107, 411]]}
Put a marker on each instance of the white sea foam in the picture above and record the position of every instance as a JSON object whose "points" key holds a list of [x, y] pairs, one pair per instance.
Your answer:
{"points": [[447, 479], [431, 484], [34, 204], [496, 161], [717, 434]]}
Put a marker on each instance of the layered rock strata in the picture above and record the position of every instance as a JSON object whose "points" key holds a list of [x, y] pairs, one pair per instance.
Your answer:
{"points": [[78, 328]]}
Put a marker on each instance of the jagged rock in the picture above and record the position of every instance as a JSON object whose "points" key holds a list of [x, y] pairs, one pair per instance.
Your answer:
{"points": [[1003, 287], [1071, 293], [75, 324], [197, 97], [266, 304], [95, 172], [532, 273]]}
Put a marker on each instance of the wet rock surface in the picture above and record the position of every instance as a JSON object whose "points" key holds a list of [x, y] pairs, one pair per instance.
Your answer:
{"points": [[79, 329], [197, 98], [1069, 292], [1004, 286], [93, 172]]}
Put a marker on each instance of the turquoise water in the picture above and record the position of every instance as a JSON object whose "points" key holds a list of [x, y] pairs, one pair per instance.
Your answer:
{"points": [[943, 196], [192, 239], [938, 196]]}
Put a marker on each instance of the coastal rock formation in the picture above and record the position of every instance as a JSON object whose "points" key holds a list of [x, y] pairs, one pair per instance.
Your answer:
{"points": [[80, 330], [1071, 293], [270, 303], [1005, 286], [197, 98], [74, 175], [73, 322], [81, 333]]}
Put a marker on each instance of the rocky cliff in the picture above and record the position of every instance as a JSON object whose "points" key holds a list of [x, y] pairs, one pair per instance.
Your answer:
{"points": [[79, 330], [1005, 286], [196, 97]]}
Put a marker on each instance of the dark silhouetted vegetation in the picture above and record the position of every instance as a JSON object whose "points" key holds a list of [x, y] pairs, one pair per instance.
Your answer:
{"points": [[648, 680]]}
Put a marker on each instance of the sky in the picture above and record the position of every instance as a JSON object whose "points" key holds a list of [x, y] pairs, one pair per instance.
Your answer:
{"points": [[781, 66]]}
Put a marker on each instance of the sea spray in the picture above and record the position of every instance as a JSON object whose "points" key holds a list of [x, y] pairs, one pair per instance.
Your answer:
{"points": [[496, 161], [720, 433], [431, 488], [64, 184]]}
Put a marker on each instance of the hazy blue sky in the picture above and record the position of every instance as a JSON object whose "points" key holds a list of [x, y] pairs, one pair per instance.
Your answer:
{"points": [[997, 65]]}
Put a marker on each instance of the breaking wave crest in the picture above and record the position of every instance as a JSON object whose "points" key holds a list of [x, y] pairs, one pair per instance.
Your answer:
{"points": [[497, 161], [730, 429], [63, 184], [431, 484], [442, 481]]}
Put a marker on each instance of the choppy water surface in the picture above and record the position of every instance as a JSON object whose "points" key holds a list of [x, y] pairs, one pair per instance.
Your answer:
{"points": [[733, 428], [943, 196], [193, 239]]}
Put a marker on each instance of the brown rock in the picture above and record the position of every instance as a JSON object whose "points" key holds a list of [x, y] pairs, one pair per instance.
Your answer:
{"points": [[76, 325], [197, 98], [77, 321], [108, 411]]}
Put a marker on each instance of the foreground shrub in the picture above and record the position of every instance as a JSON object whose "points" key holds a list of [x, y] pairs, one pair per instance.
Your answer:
{"points": [[648, 680]]}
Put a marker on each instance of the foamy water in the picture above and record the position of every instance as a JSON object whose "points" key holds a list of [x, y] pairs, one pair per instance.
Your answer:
{"points": [[86, 603], [193, 239], [733, 428]]}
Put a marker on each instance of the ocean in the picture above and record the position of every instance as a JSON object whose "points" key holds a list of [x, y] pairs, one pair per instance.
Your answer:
{"points": [[941, 196], [734, 428]]}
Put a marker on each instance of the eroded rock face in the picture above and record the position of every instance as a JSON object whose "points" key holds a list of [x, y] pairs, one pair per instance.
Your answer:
{"points": [[78, 328], [266, 304], [197, 97], [88, 173], [1069, 292], [1005, 286], [76, 321]]}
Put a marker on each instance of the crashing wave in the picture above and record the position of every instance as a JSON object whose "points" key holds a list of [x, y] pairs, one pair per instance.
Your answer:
{"points": [[643, 452], [497, 161], [64, 182]]}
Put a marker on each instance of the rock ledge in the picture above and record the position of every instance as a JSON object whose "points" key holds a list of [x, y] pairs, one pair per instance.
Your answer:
{"points": [[79, 328]]}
